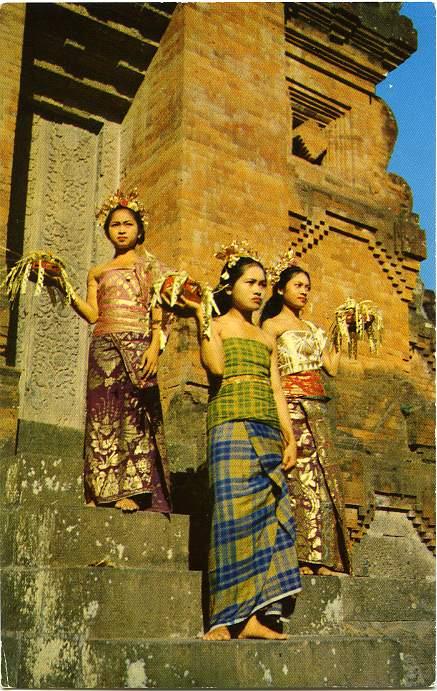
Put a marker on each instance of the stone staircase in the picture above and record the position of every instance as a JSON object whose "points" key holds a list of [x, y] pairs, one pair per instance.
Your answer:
{"points": [[93, 598]]}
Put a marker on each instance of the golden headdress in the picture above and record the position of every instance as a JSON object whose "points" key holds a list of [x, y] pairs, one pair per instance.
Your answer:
{"points": [[284, 262], [120, 198], [230, 254]]}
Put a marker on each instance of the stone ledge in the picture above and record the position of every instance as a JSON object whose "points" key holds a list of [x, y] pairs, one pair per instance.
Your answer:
{"points": [[109, 603], [39, 437], [67, 536], [302, 662]]}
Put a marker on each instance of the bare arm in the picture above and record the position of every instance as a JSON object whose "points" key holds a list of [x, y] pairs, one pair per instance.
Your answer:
{"points": [[149, 360], [289, 454], [269, 327], [212, 353], [87, 309], [331, 360]]}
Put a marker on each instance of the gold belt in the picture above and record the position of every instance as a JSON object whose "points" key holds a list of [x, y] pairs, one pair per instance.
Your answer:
{"points": [[239, 378]]}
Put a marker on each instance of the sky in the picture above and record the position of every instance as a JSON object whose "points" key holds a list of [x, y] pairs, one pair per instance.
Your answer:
{"points": [[410, 92]]}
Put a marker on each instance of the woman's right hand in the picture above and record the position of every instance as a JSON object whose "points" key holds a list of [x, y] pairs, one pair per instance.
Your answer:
{"points": [[289, 457], [193, 305]]}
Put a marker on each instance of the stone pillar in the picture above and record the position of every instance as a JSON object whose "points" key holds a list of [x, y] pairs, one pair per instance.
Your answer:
{"points": [[70, 171]]}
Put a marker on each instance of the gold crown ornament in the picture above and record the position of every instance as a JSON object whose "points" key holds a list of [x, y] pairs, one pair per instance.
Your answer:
{"points": [[284, 262], [230, 254], [129, 200]]}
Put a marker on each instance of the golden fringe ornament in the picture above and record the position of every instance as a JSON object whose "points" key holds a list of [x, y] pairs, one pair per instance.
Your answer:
{"points": [[42, 268], [181, 285], [357, 321], [230, 254]]}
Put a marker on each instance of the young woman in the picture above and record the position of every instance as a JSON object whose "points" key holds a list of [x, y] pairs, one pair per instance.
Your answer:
{"points": [[253, 569], [314, 484], [125, 456]]}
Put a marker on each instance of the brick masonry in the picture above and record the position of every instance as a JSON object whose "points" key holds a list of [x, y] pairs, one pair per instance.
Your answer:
{"points": [[11, 38]]}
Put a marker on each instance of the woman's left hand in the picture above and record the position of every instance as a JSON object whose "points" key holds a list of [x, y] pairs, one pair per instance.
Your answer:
{"points": [[288, 457], [149, 361]]}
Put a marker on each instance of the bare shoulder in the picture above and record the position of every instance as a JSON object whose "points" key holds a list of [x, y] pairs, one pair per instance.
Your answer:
{"points": [[269, 339], [272, 327], [96, 271], [218, 323]]}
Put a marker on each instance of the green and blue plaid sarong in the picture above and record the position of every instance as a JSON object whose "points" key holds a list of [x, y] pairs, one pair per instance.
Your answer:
{"points": [[253, 565]]}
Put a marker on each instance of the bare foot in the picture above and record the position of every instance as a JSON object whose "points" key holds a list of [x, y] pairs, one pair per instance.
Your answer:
{"points": [[254, 629], [221, 633], [127, 504], [91, 503], [324, 571], [306, 570]]}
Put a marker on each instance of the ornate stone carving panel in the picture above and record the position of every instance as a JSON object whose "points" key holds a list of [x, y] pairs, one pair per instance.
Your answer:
{"points": [[66, 172]]}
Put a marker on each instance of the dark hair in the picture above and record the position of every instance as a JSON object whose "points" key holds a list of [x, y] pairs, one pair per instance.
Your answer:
{"points": [[228, 277], [136, 215], [274, 305]]}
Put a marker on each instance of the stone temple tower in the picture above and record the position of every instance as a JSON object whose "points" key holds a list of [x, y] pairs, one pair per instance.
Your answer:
{"points": [[234, 120]]}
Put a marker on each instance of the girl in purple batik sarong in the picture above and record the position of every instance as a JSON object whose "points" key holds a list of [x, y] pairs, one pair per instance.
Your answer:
{"points": [[125, 456]]}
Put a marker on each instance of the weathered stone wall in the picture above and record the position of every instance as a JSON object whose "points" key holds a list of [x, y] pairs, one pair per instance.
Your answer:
{"points": [[352, 225]]}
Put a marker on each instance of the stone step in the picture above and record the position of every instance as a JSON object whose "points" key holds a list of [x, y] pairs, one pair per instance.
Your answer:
{"points": [[42, 480], [329, 602], [83, 536], [169, 602], [418, 647], [302, 662], [107, 603]]}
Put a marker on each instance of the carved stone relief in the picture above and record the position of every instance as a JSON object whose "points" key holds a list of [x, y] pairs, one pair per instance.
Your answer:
{"points": [[67, 169]]}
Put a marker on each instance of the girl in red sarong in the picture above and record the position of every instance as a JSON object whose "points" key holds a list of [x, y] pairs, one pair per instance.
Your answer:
{"points": [[315, 485]]}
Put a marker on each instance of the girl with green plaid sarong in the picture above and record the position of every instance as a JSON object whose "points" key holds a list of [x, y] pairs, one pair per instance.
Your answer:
{"points": [[253, 568]]}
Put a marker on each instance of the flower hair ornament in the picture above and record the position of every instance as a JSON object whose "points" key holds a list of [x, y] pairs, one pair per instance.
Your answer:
{"points": [[284, 262], [127, 199], [230, 254]]}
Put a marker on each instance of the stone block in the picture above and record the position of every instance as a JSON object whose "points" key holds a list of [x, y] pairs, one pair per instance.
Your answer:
{"points": [[42, 438], [8, 526], [393, 548], [103, 603], [185, 429], [417, 647], [10, 661], [43, 480], [301, 662], [388, 599], [319, 607], [48, 663], [65, 536]]}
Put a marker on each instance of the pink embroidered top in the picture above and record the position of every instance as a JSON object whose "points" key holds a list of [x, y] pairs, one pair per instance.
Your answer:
{"points": [[124, 297]]}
